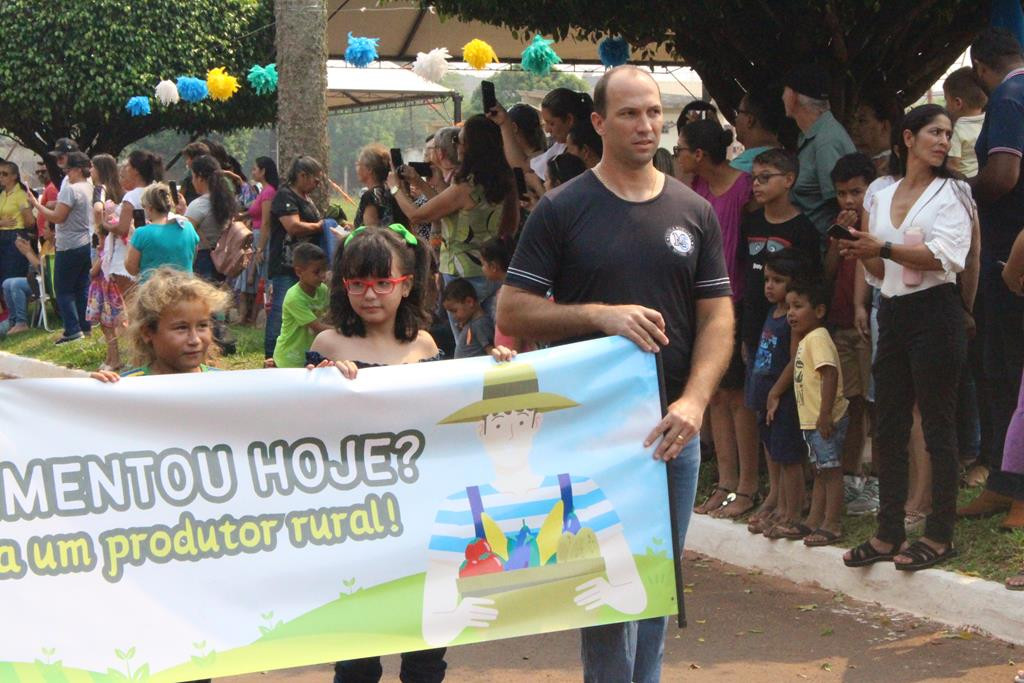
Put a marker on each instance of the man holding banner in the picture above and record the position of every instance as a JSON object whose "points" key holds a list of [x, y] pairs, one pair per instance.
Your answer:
{"points": [[629, 251]]}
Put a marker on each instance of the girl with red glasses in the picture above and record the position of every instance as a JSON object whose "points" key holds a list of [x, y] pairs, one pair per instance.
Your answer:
{"points": [[381, 293]]}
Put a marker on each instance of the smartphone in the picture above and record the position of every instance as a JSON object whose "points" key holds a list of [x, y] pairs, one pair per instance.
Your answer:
{"points": [[520, 181], [421, 167], [139, 217], [840, 232], [396, 158], [490, 100], [174, 191]]}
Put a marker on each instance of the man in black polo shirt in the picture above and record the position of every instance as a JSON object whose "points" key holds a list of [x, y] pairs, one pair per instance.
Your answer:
{"points": [[629, 251], [999, 190]]}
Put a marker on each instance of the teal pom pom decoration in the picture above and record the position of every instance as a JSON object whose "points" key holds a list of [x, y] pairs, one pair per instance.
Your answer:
{"points": [[614, 51], [361, 51], [263, 79], [192, 89], [138, 106], [538, 57]]}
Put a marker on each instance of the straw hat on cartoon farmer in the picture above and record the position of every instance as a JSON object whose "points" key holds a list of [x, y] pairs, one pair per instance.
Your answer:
{"points": [[509, 387]]}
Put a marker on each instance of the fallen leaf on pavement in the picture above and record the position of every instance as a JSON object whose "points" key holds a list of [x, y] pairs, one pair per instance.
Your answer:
{"points": [[826, 667], [755, 630], [807, 608], [827, 631]]}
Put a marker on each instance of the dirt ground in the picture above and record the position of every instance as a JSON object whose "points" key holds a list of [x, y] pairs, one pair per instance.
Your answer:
{"points": [[746, 627]]}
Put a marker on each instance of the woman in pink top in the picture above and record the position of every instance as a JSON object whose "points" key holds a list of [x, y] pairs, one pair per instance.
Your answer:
{"points": [[702, 152], [264, 171]]}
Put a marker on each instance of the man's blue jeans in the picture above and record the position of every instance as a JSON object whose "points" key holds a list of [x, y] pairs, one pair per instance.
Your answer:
{"points": [[71, 277], [632, 651], [16, 293], [280, 284]]}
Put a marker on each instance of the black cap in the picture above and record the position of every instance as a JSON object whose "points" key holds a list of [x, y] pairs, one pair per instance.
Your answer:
{"points": [[811, 80], [64, 146], [78, 159]]}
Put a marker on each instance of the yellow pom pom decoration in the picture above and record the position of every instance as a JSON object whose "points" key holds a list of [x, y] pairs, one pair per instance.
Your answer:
{"points": [[478, 54], [221, 84]]}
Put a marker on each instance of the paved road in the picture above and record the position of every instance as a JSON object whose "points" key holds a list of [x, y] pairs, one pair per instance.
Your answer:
{"points": [[747, 627]]}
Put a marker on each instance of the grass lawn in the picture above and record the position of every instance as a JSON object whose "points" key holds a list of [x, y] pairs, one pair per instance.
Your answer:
{"points": [[985, 550], [88, 354]]}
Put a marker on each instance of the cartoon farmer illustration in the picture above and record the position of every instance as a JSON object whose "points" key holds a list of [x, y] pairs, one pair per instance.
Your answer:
{"points": [[525, 529]]}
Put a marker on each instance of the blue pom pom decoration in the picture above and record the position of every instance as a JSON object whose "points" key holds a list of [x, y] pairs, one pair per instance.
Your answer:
{"points": [[614, 51], [192, 89], [138, 106], [361, 51], [538, 57], [263, 79]]}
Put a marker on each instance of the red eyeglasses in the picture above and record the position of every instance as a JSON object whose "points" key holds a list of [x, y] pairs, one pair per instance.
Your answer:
{"points": [[380, 285]]}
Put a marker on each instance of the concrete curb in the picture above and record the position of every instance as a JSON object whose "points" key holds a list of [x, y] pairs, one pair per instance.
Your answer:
{"points": [[949, 598], [19, 367]]}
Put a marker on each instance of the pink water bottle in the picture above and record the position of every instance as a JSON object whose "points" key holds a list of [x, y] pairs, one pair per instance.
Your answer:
{"points": [[911, 238]]}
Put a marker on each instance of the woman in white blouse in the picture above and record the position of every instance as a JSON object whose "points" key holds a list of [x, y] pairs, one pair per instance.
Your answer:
{"points": [[917, 240]]}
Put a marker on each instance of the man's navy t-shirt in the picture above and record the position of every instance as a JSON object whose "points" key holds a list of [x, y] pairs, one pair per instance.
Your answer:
{"points": [[585, 244], [1002, 132]]}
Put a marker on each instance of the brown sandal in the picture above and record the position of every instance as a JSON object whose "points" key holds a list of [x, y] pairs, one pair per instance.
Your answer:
{"points": [[706, 507], [729, 511]]}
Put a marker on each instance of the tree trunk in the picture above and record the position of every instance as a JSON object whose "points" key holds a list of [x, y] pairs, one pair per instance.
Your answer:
{"points": [[302, 85]]}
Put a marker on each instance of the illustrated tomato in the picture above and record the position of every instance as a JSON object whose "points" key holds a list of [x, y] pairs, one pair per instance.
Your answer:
{"points": [[476, 549]]}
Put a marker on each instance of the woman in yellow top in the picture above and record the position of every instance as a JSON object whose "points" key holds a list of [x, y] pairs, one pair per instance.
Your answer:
{"points": [[479, 205], [15, 215]]}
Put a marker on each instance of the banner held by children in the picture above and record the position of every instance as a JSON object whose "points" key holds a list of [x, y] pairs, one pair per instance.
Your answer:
{"points": [[270, 519]]}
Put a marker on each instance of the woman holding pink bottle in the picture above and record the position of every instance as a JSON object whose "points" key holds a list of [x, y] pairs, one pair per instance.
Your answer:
{"points": [[917, 240]]}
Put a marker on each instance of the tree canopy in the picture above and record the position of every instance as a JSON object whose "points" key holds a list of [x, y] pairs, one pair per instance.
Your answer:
{"points": [[887, 50], [69, 68]]}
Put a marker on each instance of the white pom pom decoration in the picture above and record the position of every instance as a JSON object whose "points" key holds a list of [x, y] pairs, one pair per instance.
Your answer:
{"points": [[432, 65], [167, 92]]}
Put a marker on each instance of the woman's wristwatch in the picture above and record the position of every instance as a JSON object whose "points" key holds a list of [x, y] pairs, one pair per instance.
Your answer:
{"points": [[886, 251]]}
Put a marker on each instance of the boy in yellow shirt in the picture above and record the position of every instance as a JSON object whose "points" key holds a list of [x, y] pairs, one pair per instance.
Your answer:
{"points": [[818, 388]]}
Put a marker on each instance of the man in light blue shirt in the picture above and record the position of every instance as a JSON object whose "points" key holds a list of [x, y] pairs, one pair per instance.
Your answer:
{"points": [[821, 142]]}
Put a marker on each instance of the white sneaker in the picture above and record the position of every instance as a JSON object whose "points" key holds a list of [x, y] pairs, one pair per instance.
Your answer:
{"points": [[852, 485], [866, 502]]}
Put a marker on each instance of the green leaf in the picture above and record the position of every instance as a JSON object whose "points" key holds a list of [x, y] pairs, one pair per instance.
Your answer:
{"points": [[120, 654], [130, 653], [827, 631]]}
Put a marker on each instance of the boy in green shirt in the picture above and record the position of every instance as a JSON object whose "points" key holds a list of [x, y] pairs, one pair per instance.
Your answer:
{"points": [[303, 305]]}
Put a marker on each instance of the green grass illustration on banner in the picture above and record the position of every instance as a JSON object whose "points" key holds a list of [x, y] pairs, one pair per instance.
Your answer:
{"points": [[389, 620]]}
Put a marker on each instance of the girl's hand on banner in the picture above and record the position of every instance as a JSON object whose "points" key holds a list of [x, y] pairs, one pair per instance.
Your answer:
{"points": [[502, 354], [347, 368], [106, 376]]}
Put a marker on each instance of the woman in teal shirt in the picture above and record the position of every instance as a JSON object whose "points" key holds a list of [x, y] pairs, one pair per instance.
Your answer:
{"points": [[164, 240]]}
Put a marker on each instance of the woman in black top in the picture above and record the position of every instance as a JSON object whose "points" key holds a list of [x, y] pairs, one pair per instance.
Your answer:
{"points": [[294, 219]]}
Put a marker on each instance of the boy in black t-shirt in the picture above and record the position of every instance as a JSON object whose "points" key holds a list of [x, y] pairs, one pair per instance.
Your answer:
{"points": [[777, 225]]}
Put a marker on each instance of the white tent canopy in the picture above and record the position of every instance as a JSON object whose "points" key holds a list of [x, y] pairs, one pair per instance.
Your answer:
{"points": [[379, 86]]}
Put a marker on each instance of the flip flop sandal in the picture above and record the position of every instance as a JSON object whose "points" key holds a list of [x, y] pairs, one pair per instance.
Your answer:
{"points": [[704, 509], [758, 525], [865, 554], [923, 556], [799, 531], [828, 538], [1016, 587], [727, 506], [789, 530]]}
